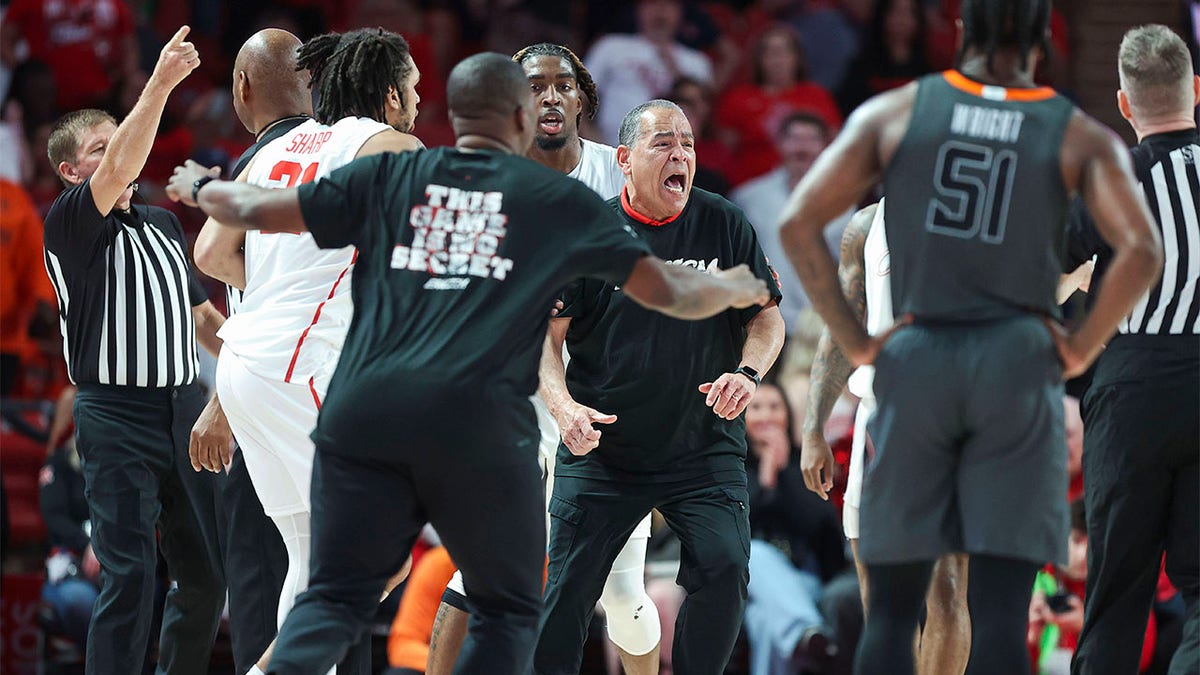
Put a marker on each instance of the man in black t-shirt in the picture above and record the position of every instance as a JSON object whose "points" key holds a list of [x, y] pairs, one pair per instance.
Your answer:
{"points": [[461, 251], [670, 394]]}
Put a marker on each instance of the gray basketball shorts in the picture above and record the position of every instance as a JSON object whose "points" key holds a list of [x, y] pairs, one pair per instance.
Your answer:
{"points": [[970, 445]]}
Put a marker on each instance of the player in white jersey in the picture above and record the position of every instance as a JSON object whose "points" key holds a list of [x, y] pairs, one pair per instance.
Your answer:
{"points": [[563, 89], [877, 289], [282, 346], [294, 313]]}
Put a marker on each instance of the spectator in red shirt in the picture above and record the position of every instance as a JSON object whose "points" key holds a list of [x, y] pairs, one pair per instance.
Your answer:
{"points": [[89, 44], [749, 115]]}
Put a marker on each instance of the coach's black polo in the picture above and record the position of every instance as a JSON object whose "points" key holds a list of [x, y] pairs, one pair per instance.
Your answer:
{"points": [[645, 367]]}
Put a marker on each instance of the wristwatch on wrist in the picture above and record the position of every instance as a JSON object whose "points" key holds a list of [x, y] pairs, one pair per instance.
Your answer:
{"points": [[750, 373], [199, 184]]}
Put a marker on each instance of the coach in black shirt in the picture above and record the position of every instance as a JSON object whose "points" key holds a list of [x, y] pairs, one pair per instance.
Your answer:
{"points": [[461, 251], [669, 396], [1141, 413], [131, 313]]}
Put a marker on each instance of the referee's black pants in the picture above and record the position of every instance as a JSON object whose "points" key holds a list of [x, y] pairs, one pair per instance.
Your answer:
{"points": [[255, 566], [590, 520], [486, 505], [134, 443], [1141, 471]]}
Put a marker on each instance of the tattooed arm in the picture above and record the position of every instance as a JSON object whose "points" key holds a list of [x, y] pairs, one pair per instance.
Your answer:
{"points": [[831, 369]]}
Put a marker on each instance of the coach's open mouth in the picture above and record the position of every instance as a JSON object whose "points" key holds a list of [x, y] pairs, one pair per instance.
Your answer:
{"points": [[676, 182]]}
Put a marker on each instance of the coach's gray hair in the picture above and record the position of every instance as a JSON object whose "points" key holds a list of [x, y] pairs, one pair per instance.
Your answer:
{"points": [[631, 126], [1156, 71]]}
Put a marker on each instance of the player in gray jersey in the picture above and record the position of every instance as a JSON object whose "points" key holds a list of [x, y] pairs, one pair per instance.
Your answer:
{"points": [[978, 164]]}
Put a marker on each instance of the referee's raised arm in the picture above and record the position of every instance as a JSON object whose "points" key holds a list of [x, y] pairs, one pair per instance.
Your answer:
{"points": [[130, 144]]}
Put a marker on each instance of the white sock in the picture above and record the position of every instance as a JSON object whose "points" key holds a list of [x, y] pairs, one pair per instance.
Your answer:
{"points": [[255, 670]]}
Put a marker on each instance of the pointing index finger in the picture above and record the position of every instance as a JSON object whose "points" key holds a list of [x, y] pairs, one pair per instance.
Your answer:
{"points": [[180, 36]]}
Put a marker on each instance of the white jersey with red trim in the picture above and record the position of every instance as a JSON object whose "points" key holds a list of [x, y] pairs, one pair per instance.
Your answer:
{"points": [[296, 309], [877, 278], [598, 169], [877, 271]]}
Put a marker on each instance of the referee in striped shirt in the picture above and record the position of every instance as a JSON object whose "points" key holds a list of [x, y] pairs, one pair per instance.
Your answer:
{"points": [[131, 313], [1141, 459]]}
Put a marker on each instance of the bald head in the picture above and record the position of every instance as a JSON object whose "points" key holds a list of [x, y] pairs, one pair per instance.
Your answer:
{"points": [[491, 104], [266, 84], [487, 84]]}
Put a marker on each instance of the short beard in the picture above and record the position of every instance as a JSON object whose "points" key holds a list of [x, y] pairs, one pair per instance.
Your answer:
{"points": [[550, 144]]}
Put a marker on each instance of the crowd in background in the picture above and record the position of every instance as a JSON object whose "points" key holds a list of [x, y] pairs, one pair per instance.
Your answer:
{"points": [[766, 85], [743, 71]]}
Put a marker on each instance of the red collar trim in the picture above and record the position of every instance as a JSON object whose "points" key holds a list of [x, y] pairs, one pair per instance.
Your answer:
{"points": [[639, 217]]}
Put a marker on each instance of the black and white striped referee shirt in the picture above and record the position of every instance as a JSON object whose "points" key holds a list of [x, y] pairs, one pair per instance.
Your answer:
{"points": [[1165, 165], [125, 293]]}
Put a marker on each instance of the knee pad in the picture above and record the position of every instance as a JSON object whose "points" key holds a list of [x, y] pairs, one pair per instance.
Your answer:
{"points": [[633, 623]]}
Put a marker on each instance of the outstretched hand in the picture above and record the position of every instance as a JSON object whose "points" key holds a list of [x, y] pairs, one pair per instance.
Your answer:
{"points": [[729, 394], [578, 432]]}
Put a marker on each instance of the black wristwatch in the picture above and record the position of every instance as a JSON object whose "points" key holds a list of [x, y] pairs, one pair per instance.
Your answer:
{"points": [[750, 373], [199, 184]]}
